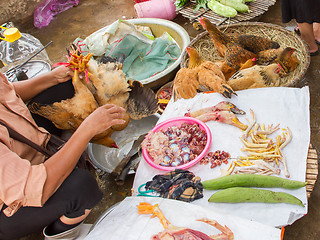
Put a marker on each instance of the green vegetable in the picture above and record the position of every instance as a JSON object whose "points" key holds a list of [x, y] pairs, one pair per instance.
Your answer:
{"points": [[251, 180], [249, 1], [201, 4], [221, 9], [181, 3], [241, 195], [240, 7]]}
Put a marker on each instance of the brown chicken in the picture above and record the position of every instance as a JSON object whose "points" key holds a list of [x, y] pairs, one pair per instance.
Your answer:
{"points": [[285, 57], [106, 83], [256, 77], [200, 75], [229, 71], [236, 49]]}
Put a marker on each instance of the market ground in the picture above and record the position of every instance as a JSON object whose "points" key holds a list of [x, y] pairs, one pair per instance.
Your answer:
{"points": [[91, 15]]}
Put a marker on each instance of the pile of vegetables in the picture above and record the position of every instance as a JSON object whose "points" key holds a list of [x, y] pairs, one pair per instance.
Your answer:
{"points": [[225, 8], [241, 188]]}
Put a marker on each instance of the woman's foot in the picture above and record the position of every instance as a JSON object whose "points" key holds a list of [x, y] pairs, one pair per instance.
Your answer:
{"points": [[297, 31], [315, 53]]}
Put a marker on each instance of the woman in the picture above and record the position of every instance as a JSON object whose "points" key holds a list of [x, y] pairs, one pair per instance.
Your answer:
{"points": [[307, 15], [50, 194]]}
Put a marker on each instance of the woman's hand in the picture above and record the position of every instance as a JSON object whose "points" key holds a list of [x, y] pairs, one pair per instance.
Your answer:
{"points": [[103, 118], [62, 74]]}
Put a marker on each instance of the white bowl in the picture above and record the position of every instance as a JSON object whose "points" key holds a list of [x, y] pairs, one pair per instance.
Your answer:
{"points": [[180, 35]]}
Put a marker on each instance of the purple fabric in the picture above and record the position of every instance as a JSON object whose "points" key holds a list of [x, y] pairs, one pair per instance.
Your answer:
{"points": [[46, 10]]}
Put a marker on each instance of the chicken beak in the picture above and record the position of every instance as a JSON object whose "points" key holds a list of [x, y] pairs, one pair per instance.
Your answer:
{"points": [[113, 145], [236, 110], [239, 124]]}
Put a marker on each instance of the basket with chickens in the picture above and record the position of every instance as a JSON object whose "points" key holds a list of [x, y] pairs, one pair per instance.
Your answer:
{"points": [[97, 83], [249, 55]]}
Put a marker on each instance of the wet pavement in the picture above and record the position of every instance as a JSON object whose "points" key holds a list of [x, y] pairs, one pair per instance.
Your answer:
{"points": [[90, 16]]}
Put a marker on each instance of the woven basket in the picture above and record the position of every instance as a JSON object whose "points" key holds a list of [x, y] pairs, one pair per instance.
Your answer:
{"points": [[284, 37], [256, 9]]}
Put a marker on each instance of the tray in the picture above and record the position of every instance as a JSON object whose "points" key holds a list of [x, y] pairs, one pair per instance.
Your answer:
{"points": [[312, 170], [256, 8]]}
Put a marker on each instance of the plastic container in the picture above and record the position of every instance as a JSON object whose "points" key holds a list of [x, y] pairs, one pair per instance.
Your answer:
{"points": [[177, 122], [16, 47], [164, 9], [139, 1]]}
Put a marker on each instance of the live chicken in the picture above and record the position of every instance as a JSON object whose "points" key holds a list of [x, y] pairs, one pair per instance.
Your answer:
{"points": [[236, 49], [285, 57], [228, 71], [104, 84], [200, 75], [256, 77]]}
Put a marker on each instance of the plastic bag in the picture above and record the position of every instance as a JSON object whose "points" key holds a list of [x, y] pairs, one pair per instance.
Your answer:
{"points": [[46, 10]]}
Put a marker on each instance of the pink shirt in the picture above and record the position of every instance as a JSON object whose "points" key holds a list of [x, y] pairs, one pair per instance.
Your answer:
{"points": [[22, 172]]}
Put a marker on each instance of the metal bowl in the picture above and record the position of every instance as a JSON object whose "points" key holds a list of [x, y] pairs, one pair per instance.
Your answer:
{"points": [[107, 159]]}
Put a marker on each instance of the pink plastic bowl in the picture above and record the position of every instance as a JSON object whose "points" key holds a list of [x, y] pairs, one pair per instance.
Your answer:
{"points": [[177, 122]]}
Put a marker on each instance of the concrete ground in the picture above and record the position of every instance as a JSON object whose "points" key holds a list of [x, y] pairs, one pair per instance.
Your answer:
{"points": [[91, 15]]}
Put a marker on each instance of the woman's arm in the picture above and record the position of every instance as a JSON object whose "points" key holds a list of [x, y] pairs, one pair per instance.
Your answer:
{"points": [[27, 89], [61, 164]]}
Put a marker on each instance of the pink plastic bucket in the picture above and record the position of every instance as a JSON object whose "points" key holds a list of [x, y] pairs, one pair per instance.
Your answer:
{"points": [[164, 9], [177, 121]]}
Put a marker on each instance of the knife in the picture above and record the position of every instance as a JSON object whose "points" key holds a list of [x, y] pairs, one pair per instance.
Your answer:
{"points": [[135, 148], [120, 179]]}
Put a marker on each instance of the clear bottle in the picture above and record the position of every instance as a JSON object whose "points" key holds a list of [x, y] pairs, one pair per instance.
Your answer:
{"points": [[17, 47]]}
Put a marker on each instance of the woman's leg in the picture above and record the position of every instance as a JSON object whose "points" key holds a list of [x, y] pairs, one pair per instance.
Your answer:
{"points": [[307, 34], [316, 30], [70, 204], [56, 93]]}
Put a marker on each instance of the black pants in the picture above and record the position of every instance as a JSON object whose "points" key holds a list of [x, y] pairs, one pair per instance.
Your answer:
{"points": [[56, 93], [77, 193]]}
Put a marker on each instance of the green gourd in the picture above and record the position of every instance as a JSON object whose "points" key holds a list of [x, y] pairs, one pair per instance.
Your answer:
{"points": [[221, 9], [246, 195], [251, 180], [240, 7]]}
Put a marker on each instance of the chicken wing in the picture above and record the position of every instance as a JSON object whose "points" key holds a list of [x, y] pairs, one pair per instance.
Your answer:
{"points": [[105, 84], [200, 75]]}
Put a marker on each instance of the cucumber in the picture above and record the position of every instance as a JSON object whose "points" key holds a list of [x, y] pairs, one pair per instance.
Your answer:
{"points": [[251, 180], [240, 7], [244, 195], [221, 9]]}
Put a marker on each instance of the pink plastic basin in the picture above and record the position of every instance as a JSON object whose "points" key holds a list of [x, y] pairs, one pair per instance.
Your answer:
{"points": [[177, 122]]}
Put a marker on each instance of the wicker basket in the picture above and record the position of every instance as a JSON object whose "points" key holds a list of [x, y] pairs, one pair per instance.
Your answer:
{"points": [[284, 37], [257, 8]]}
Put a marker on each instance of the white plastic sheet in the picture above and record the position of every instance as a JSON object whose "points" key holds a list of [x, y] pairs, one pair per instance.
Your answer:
{"points": [[124, 222], [288, 107]]}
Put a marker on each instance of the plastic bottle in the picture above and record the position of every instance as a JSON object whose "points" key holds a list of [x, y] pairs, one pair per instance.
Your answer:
{"points": [[16, 47]]}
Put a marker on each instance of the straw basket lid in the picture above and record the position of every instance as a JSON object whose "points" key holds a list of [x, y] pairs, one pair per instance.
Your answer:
{"points": [[284, 37]]}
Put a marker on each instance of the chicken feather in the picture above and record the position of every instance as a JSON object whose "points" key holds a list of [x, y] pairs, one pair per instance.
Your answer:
{"points": [[107, 84], [200, 75], [256, 77]]}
